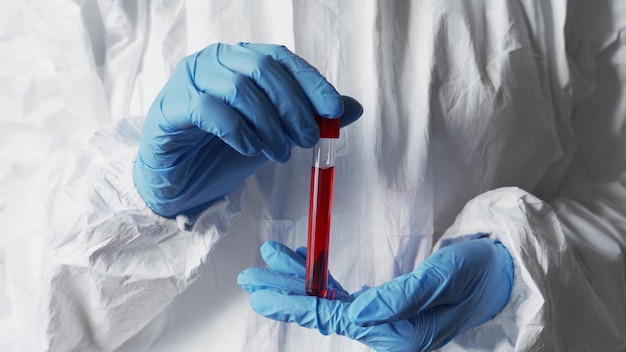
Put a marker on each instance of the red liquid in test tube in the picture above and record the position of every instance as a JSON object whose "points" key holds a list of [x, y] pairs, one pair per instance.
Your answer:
{"points": [[319, 230], [320, 205]]}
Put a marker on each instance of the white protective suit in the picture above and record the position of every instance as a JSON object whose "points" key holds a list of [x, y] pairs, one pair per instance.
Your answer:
{"points": [[469, 106]]}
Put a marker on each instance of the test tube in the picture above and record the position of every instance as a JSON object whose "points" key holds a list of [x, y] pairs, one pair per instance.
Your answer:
{"points": [[321, 196]]}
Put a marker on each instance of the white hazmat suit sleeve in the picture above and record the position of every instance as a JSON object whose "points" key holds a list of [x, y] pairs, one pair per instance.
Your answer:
{"points": [[111, 264], [559, 300], [570, 281]]}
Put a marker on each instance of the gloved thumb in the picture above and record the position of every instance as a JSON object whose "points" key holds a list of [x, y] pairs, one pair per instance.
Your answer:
{"points": [[352, 110], [475, 274], [400, 298]]}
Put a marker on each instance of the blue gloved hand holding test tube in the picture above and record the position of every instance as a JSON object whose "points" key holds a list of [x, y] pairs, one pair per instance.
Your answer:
{"points": [[458, 287], [224, 112]]}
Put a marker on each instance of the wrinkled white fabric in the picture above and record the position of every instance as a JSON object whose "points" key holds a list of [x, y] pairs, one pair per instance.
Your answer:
{"points": [[112, 264], [552, 265], [460, 98]]}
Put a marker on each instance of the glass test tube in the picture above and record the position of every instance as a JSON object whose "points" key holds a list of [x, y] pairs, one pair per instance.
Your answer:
{"points": [[321, 196]]}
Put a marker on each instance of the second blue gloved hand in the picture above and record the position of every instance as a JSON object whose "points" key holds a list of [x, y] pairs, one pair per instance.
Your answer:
{"points": [[458, 287], [224, 112]]}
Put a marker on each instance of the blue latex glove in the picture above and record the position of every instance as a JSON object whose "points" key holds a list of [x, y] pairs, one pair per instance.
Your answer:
{"points": [[458, 287], [223, 113]]}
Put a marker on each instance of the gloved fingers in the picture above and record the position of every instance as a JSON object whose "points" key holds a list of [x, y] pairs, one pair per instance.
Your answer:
{"points": [[254, 279], [328, 316], [262, 118], [352, 110], [331, 317], [263, 76], [321, 94], [283, 259], [397, 299], [448, 277], [431, 284], [237, 125], [214, 116], [332, 283], [279, 86], [290, 309], [301, 251]]}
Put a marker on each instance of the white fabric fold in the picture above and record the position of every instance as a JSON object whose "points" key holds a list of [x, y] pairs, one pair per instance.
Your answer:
{"points": [[554, 305], [111, 264]]}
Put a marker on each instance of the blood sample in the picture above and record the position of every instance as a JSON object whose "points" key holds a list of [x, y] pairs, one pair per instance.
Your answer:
{"points": [[320, 204]]}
